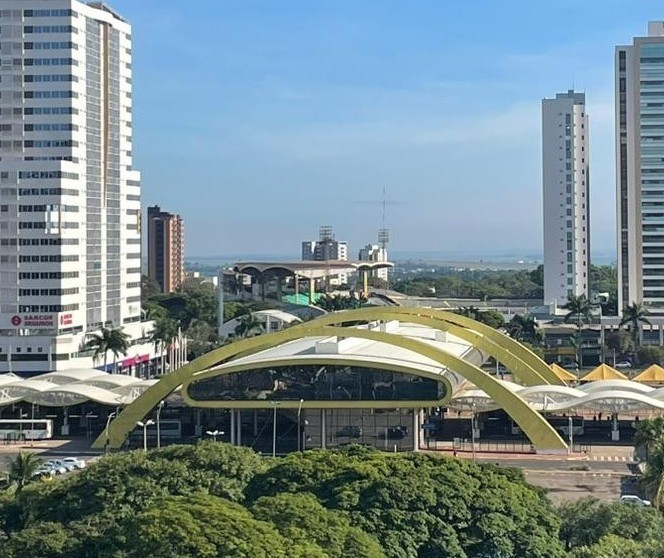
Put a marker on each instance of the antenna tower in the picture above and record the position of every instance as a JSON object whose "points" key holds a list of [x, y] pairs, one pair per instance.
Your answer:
{"points": [[383, 232]]}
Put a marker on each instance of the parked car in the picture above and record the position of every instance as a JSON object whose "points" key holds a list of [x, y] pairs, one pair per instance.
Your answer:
{"points": [[634, 500], [57, 466], [624, 364], [73, 463], [350, 431], [44, 471], [571, 366]]}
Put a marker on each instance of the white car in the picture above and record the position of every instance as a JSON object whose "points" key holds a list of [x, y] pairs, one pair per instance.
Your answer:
{"points": [[624, 364], [57, 466], [73, 463], [634, 500], [44, 472]]}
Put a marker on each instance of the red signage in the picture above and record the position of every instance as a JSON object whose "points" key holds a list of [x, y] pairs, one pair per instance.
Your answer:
{"points": [[16, 321], [66, 319]]}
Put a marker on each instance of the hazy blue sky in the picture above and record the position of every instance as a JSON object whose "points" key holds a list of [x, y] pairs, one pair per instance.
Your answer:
{"points": [[260, 120]]}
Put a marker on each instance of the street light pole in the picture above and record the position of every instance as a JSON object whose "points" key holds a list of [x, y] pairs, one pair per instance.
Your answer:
{"points": [[144, 426], [274, 427], [472, 429], [108, 421], [299, 426], [214, 434], [159, 408]]}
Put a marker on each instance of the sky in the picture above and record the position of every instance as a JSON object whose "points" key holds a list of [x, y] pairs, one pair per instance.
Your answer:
{"points": [[259, 121]]}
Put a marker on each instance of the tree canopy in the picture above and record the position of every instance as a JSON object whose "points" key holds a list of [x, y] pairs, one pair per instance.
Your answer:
{"points": [[216, 500]]}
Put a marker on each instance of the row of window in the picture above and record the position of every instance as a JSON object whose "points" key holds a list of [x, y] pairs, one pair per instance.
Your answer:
{"points": [[50, 95], [46, 78], [54, 158], [39, 242], [47, 307], [49, 29], [50, 62], [46, 207], [46, 192], [58, 127], [48, 275], [24, 175], [55, 258], [47, 225], [49, 110], [48, 292], [50, 143], [50, 13], [50, 45]]}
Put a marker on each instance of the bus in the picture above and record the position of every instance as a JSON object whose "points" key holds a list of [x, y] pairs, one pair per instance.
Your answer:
{"points": [[25, 429], [169, 429], [561, 424]]}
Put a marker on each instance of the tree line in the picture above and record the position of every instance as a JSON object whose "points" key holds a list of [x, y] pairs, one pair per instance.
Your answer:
{"points": [[216, 500]]}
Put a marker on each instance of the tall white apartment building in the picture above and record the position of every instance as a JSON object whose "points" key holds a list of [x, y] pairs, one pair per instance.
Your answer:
{"points": [[70, 245], [566, 182], [639, 72]]}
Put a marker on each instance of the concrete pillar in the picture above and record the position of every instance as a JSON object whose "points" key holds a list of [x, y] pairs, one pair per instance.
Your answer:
{"points": [[323, 429], [232, 412], [417, 428], [280, 280], [198, 429], [238, 422], [255, 423], [262, 287], [615, 433], [312, 288], [297, 284], [661, 335], [365, 283]]}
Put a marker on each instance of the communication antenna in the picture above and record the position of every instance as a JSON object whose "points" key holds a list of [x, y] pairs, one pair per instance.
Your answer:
{"points": [[383, 232]]}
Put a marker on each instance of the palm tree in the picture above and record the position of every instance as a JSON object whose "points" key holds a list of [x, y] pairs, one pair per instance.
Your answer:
{"points": [[108, 339], [247, 324], [22, 469], [578, 307], [649, 433], [633, 314], [165, 329]]}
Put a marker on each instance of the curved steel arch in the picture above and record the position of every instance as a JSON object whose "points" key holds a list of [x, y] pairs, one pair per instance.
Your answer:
{"points": [[539, 431], [525, 364]]}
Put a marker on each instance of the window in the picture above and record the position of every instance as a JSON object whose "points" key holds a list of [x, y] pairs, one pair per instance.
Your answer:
{"points": [[49, 29], [53, 45], [49, 13], [50, 95], [23, 175], [39, 78]]}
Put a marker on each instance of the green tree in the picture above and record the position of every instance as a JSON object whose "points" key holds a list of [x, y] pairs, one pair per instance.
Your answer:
{"points": [[204, 526], [247, 326], [301, 518], [618, 341], [633, 316], [578, 309], [165, 330], [202, 339], [524, 328], [149, 288], [649, 433], [112, 340], [649, 355], [22, 469]]}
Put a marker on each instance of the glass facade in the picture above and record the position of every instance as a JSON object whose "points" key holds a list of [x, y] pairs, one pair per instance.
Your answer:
{"points": [[318, 383]]}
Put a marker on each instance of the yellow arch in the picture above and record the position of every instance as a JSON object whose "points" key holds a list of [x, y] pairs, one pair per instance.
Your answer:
{"points": [[540, 432], [525, 364]]}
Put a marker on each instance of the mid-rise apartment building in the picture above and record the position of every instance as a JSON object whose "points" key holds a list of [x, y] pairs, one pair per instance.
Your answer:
{"points": [[70, 244], [639, 93], [566, 195], [327, 247], [374, 253], [165, 249]]}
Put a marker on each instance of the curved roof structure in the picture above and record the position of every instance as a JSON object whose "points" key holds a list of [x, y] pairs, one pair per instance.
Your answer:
{"points": [[611, 396], [654, 374], [72, 387], [424, 342], [312, 269]]}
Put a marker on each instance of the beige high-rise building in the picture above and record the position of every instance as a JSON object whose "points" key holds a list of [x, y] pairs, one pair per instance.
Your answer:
{"points": [[165, 249]]}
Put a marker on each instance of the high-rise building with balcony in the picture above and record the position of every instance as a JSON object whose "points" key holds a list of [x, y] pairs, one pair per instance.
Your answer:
{"points": [[639, 94], [566, 189], [327, 247], [165, 249], [70, 244]]}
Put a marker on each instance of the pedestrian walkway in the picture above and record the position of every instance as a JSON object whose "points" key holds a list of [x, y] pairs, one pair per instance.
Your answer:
{"points": [[623, 458]]}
